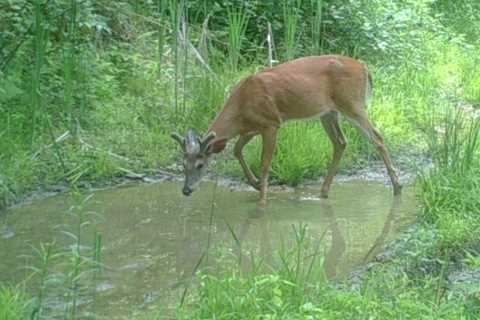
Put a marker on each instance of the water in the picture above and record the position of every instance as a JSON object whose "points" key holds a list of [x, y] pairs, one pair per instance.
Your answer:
{"points": [[153, 237]]}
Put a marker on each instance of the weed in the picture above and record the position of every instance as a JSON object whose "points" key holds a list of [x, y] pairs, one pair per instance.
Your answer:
{"points": [[14, 304]]}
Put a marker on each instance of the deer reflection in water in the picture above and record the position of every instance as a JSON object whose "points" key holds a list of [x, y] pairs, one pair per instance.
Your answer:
{"points": [[257, 241], [329, 257]]}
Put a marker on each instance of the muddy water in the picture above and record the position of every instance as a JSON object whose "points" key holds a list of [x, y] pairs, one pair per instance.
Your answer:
{"points": [[153, 238]]}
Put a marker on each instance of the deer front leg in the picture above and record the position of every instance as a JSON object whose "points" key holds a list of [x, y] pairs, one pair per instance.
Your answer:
{"points": [[269, 137], [237, 151]]}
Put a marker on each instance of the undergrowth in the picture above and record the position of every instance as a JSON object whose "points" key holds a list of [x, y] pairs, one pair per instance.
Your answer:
{"points": [[94, 89]]}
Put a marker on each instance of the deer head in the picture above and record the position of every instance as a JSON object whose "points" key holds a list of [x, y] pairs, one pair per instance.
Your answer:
{"points": [[197, 153]]}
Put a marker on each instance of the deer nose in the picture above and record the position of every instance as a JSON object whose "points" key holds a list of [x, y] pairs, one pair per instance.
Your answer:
{"points": [[187, 191]]}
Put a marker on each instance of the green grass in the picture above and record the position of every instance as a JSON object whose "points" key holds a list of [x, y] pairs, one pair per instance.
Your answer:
{"points": [[397, 290], [14, 304], [290, 33], [450, 189], [269, 297], [237, 23], [316, 29]]}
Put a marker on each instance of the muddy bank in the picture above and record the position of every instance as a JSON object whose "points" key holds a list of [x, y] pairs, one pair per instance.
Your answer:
{"points": [[374, 172]]}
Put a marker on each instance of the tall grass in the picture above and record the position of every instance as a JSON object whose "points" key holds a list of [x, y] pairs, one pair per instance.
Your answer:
{"points": [[96, 260], [37, 111], [161, 37], [38, 61], [291, 14], [45, 253], [471, 78], [75, 256], [69, 67], [449, 195], [186, 40], [174, 8], [450, 188], [83, 83], [237, 24], [316, 33]]}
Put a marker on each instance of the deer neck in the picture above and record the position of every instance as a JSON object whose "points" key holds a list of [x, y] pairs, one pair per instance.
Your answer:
{"points": [[225, 124]]}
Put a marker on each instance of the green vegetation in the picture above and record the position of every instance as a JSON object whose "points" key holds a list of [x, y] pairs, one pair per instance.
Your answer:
{"points": [[13, 304], [89, 89]]}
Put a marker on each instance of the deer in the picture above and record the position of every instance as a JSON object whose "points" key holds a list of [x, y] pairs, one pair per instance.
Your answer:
{"points": [[314, 87]]}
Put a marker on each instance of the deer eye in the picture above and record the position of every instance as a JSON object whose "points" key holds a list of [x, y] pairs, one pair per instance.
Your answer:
{"points": [[199, 166]]}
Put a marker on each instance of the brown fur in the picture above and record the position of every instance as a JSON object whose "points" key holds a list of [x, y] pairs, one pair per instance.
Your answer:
{"points": [[316, 86], [298, 89]]}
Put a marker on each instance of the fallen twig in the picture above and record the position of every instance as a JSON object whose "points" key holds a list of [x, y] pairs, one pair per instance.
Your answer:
{"points": [[113, 155], [131, 174], [61, 138]]}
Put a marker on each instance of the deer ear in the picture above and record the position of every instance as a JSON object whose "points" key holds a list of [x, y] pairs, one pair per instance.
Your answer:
{"points": [[216, 146], [179, 139], [206, 141]]}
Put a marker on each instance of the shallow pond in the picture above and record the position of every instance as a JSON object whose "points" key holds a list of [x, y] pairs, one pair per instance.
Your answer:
{"points": [[153, 238]]}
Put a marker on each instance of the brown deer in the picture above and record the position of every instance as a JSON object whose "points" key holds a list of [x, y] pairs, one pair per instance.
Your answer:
{"points": [[310, 87]]}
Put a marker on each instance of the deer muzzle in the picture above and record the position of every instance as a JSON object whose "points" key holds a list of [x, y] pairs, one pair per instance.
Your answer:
{"points": [[187, 191]]}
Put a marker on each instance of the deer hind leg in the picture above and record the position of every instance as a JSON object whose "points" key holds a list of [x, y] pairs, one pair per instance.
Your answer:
{"points": [[339, 142], [361, 120], [237, 151], [269, 138]]}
